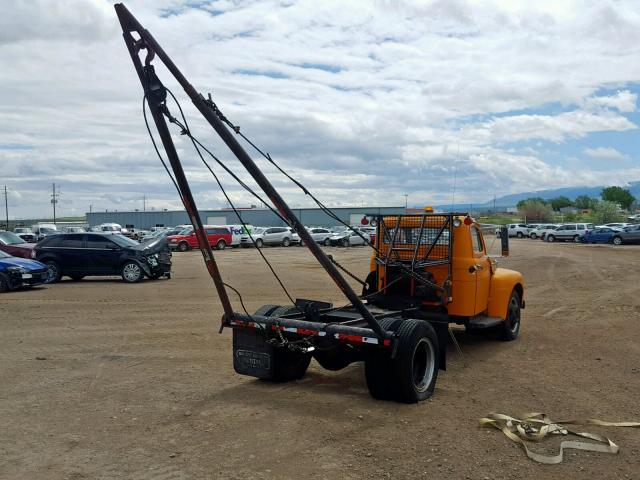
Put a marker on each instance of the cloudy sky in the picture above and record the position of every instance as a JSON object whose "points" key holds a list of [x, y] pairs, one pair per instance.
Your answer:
{"points": [[364, 101]]}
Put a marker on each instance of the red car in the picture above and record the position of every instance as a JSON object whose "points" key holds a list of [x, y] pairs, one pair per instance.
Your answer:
{"points": [[219, 237], [14, 245]]}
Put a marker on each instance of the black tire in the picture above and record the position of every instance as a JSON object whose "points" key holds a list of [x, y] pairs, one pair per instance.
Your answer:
{"points": [[327, 242], [519, 235], [551, 238], [183, 246], [616, 240], [259, 243], [131, 272], [378, 371], [334, 359], [416, 362], [286, 242], [511, 324], [266, 310], [54, 271], [221, 245], [4, 284], [533, 236], [76, 278], [344, 242]]}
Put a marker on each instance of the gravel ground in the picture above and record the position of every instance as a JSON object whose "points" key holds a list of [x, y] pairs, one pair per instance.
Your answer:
{"points": [[103, 380]]}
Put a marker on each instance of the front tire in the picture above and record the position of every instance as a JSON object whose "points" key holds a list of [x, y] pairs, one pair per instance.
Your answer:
{"points": [[132, 272], [327, 242], [551, 238], [533, 236], [616, 241], [511, 324], [221, 245], [54, 272], [286, 242], [345, 242], [183, 246]]}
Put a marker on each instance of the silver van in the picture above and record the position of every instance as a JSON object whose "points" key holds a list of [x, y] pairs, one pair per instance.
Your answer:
{"points": [[569, 231]]}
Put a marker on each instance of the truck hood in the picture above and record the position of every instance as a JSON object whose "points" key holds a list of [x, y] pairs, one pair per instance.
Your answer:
{"points": [[21, 262], [154, 246]]}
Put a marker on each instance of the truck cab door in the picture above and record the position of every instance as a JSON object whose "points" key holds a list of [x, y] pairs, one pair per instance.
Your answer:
{"points": [[482, 268]]}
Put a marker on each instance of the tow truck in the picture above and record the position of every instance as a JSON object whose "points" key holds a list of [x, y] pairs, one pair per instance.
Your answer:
{"points": [[426, 272]]}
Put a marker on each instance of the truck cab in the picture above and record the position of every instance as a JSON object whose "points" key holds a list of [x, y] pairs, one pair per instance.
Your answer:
{"points": [[439, 264]]}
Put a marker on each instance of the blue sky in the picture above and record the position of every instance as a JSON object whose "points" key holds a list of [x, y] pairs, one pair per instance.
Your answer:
{"points": [[363, 101]]}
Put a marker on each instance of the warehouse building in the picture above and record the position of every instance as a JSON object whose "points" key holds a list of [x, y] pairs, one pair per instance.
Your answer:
{"points": [[259, 217]]}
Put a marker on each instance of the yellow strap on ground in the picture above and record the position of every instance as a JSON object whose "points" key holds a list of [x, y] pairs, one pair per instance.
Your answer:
{"points": [[535, 427]]}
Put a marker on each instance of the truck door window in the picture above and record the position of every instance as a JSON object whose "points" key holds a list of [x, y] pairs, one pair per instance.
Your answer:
{"points": [[477, 241]]}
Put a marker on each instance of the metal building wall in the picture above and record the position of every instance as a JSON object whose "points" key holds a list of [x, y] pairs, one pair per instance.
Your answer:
{"points": [[256, 217]]}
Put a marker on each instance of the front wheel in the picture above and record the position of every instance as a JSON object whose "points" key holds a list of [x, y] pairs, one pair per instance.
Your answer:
{"points": [[132, 272], [511, 324], [616, 241], [221, 245], [327, 242], [259, 243], [183, 246], [533, 236], [551, 238], [345, 242], [286, 242], [54, 274]]}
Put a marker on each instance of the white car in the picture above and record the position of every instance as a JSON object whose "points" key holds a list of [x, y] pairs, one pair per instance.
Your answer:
{"points": [[541, 230], [321, 235], [519, 230], [284, 236], [634, 218], [348, 238]]}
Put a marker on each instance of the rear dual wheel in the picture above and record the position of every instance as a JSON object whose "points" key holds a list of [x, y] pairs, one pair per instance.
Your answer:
{"points": [[411, 376]]}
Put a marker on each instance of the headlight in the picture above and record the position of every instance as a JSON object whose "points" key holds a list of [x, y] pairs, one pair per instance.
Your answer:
{"points": [[17, 270]]}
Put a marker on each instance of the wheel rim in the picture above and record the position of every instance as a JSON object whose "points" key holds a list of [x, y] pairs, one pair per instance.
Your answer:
{"points": [[131, 271], [423, 364], [258, 243], [285, 242], [183, 247], [514, 315], [533, 236], [221, 245], [617, 241], [52, 272]]}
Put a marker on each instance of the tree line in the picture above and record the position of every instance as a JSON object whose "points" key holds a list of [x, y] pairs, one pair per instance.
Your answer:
{"points": [[605, 209]]}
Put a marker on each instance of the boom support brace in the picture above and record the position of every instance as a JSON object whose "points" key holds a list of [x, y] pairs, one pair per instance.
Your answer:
{"points": [[146, 41]]}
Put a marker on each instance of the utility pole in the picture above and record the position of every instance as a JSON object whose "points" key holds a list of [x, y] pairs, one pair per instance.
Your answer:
{"points": [[406, 197], [6, 206], [144, 203], [54, 201], [494, 203]]}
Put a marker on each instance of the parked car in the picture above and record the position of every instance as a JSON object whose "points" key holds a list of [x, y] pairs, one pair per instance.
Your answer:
{"points": [[80, 255], [598, 235], [541, 230], [41, 230], [569, 231], [519, 230], [630, 234], [348, 238], [320, 235], [73, 230], [113, 228], [17, 272], [284, 236], [219, 237], [26, 234], [634, 218], [256, 232], [14, 245]]}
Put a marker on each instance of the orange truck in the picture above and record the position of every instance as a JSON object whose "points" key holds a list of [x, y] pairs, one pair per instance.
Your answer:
{"points": [[427, 271]]}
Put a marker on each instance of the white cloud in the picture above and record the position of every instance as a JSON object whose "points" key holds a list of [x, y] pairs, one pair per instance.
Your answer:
{"points": [[349, 95], [605, 153]]}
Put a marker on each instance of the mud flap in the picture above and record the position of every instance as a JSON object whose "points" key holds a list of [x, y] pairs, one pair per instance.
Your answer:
{"points": [[442, 331], [252, 356]]}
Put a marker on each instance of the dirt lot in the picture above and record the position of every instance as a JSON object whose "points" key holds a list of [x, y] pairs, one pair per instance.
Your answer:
{"points": [[104, 380]]}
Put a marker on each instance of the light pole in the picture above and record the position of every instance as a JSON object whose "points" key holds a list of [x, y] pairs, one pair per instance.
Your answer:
{"points": [[6, 206], [406, 198]]}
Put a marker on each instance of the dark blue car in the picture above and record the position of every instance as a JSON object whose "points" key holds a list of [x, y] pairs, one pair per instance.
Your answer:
{"points": [[598, 235], [18, 272]]}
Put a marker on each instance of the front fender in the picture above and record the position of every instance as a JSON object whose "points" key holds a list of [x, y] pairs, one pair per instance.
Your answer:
{"points": [[503, 282]]}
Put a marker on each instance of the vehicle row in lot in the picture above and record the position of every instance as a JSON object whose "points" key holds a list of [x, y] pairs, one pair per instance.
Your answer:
{"points": [[617, 233], [628, 235]]}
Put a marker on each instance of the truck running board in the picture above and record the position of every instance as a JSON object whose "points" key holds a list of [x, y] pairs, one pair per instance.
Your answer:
{"points": [[482, 322]]}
